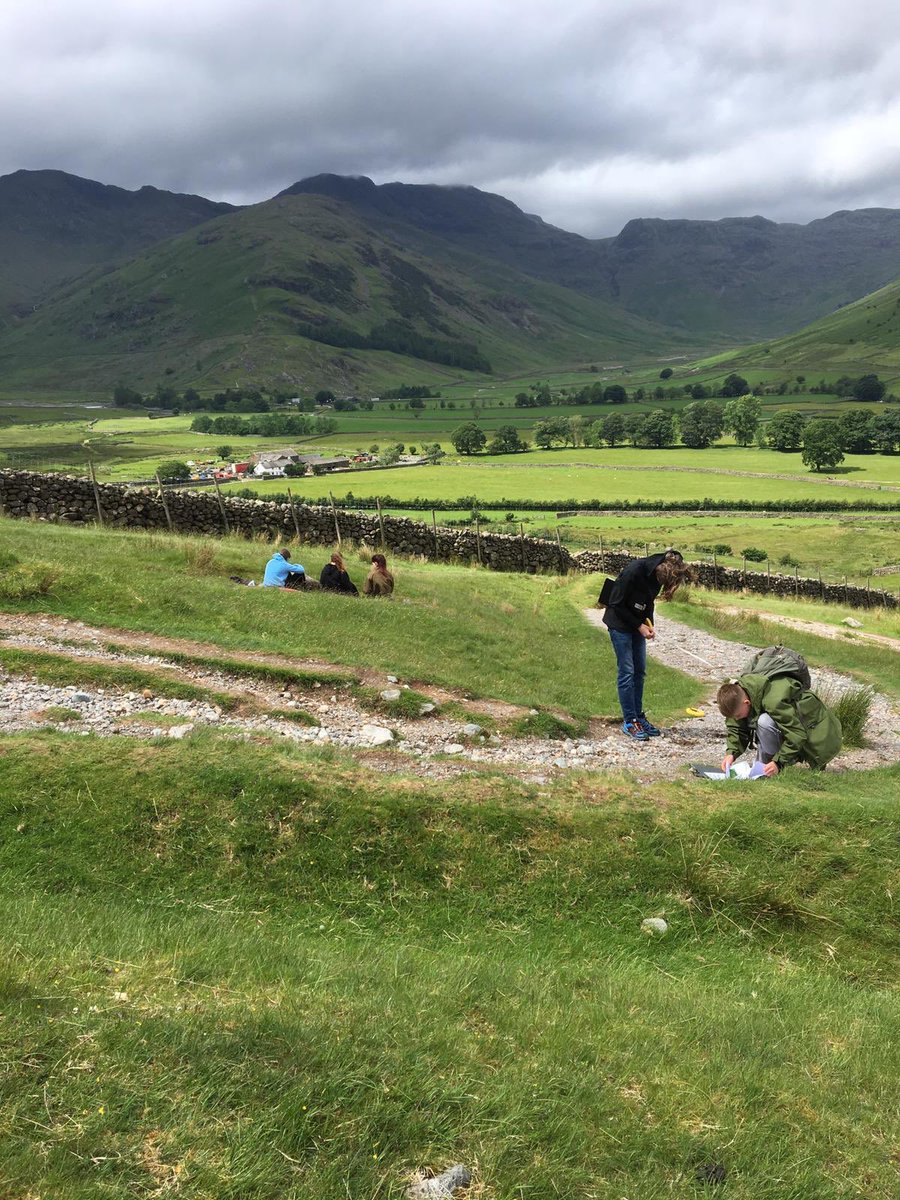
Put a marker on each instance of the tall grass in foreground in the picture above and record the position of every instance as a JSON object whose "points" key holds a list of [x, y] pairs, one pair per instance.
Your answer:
{"points": [[241, 971]]}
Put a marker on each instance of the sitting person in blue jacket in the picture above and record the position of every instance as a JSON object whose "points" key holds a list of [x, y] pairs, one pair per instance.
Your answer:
{"points": [[281, 572]]}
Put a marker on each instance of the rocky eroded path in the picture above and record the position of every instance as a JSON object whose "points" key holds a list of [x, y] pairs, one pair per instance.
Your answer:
{"points": [[458, 735]]}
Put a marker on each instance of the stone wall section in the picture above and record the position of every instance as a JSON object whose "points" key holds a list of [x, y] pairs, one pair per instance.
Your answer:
{"points": [[67, 499]]}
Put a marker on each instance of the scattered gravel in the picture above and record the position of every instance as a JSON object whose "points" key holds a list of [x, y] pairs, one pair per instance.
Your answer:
{"points": [[436, 746]]}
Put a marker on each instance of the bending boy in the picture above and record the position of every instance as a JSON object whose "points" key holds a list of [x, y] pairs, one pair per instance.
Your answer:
{"points": [[790, 722]]}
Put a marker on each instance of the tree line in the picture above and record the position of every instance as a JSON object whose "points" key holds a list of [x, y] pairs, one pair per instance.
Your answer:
{"points": [[823, 442]]}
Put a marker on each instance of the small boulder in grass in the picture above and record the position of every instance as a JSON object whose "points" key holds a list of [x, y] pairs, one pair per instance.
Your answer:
{"points": [[391, 693], [654, 927], [440, 1187]]}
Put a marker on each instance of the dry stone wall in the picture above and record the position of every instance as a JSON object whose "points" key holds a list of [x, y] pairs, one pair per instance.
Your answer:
{"points": [[63, 498], [729, 579], [66, 499]]}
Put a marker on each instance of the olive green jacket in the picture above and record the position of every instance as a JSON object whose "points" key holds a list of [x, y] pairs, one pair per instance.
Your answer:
{"points": [[812, 732]]}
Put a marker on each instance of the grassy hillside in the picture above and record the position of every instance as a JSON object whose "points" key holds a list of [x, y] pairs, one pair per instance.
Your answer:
{"points": [[287, 292], [498, 636], [54, 227], [732, 279], [860, 337], [248, 971]]}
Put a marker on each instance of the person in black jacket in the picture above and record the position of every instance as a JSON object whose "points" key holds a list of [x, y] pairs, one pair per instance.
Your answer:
{"points": [[334, 577], [629, 619]]}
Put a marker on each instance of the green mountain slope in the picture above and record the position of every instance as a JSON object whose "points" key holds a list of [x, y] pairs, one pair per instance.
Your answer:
{"points": [[54, 226], [733, 279], [300, 291], [863, 336]]}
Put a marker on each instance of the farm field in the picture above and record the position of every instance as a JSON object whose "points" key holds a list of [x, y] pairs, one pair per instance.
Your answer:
{"points": [[612, 475]]}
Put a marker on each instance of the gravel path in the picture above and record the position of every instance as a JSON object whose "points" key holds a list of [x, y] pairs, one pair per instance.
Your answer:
{"points": [[713, 660], [435, 746]]}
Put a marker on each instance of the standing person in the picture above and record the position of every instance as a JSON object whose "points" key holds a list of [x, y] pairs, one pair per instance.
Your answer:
{"points": [[629, 618], [790, 722], [379, 581], [281, 572], [334, 577]]}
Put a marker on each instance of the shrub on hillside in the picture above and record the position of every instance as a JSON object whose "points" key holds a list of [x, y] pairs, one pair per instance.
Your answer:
{"points": [[26, 581], [852, 708], [754, 554]]}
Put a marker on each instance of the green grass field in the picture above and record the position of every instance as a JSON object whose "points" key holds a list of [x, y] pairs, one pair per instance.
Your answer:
{"points": [[242, 971]]}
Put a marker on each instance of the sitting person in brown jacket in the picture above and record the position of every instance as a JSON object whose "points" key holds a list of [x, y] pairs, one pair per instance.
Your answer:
{"points": [[379, 581]]}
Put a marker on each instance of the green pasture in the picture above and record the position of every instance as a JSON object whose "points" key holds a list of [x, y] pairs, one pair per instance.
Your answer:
{"points": [[596, 475], [239, 970], [497, 635], [838, 544]]}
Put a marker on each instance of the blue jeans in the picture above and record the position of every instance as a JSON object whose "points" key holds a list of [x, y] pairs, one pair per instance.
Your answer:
{"points": [[631, 656]]}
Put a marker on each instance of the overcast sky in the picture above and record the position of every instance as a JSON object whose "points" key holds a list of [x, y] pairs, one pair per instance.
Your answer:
{"points": [[587, 113]]}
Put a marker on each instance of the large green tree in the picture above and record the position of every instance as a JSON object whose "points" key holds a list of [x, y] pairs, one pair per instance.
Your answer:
{"points": [[173, 471], [734, 385], [822, 445], [506, 441], [742, 418], [613, 429], [657, 429], [855, 430], [468, 438], [869, 388], [701, 423], [886, 431], [785, 431], [552, 431]]}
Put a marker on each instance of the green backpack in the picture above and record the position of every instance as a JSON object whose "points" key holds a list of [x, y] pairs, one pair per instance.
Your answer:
{"points": [[776, 662]]}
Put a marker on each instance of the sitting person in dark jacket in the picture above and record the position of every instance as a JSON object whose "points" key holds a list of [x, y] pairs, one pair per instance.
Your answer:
{"points": [[629, 618], [334, 577]]}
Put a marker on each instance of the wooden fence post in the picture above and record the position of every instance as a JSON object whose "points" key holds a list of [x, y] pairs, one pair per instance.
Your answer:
{"points": [[796, 582], [478, 540], [294, 514], [380, 521], [821, 584], [559, 553], [165, 503], [96, 493], [522, 542], [715, 572], [768, 576], [221, 506], [337, 528], [434, 531]]}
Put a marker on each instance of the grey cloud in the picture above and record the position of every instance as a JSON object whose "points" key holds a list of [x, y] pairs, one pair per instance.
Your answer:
{"points": [[587, 113]]}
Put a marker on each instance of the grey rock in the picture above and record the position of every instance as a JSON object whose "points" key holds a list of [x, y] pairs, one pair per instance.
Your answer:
{"points": [[852, 622], [390, 694], [180, 731], [441, 1186], [454, 748], [471, 730], [392, 679], [81, 698], [376, 735], [425, 709]]}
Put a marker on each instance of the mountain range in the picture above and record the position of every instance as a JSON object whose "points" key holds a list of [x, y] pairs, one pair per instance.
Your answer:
{"points": [[337, 280]]}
